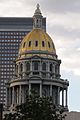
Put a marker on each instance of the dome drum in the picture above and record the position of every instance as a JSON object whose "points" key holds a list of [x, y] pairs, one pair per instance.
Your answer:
{"points": [[45, 68]]}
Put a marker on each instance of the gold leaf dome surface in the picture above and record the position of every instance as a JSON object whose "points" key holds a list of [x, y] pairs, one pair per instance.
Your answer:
{"points": [[37, 40]]}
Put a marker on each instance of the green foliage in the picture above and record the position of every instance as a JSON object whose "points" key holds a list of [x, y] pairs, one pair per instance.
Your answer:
{"points": [[36, 108]]}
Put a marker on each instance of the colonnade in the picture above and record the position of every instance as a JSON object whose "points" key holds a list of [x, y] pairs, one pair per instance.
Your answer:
{"points": [[16, 95]]}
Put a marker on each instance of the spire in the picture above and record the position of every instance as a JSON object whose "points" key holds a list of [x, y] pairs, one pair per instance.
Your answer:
{"points": [[37, 11], [37, 18]]}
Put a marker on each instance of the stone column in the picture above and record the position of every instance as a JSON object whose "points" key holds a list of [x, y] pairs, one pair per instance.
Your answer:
{"points": [[17, 95], [9, 96], [31, 67], [7, 100], [62, 97], [59, 69], [48, 69], [66, 96], [40, 68], [51, 90], [54, 70], [13, 96], [24, 69], [20, 94], [23, 95], [29, 88], [18, 70], [40, 89], [58, 96], [15, 71]]}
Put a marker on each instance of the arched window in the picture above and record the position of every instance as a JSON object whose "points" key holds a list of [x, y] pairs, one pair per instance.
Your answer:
{"points": [[16, 69], [43, 44], [56, 69], [28, 66], [37, 20], [49, 44], [44, 66], [29, 43], [21, 66], [36, 43], [51, 67], [35, 65], [53, 45]]}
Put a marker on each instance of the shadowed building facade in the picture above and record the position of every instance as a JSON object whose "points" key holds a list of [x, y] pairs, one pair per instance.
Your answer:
{"points": [[37, 67]]}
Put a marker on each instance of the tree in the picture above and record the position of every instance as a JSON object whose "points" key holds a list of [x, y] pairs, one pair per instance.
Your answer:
{"points": [[36, 108]]}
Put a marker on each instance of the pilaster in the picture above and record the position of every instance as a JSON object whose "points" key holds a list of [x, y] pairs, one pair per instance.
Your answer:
{"points": [[29, 88], [51, 90]]}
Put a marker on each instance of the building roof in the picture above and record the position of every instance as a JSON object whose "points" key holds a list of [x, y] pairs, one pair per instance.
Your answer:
{"points": [[37, 40]]}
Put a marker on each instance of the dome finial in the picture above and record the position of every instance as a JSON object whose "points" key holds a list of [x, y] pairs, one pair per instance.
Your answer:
{"points": [[37, 18], [38, 6]]}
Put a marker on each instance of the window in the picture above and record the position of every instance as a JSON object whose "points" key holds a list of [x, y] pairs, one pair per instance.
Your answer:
{"points": [[56, 68], [29, 43], [35, 65], [49, 44], [36, 43], [53, 45], [21, 67], [24, 44], [37, 20], [27, 66], [44, 66], [43, 44], [50, 67]]}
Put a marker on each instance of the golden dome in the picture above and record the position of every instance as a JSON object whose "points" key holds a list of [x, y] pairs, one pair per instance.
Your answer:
{"points": [[37, 41]]}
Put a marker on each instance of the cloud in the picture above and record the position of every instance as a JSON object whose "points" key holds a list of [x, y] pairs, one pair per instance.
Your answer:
{"points": [[61, 6], [16, 8], [69, 52]]}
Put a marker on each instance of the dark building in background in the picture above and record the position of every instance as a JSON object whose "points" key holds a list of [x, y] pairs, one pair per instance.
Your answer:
{"points": [[12, 31], [1, 111]]}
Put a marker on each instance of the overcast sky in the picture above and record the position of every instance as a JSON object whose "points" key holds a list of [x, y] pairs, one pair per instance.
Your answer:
{"points": [[63, 25]]}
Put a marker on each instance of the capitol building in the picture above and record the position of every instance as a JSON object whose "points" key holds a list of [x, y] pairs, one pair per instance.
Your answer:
{"points": [[37, 67]]}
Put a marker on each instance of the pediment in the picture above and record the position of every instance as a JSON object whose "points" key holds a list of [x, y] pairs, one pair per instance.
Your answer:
{"points": [[36, 57]]}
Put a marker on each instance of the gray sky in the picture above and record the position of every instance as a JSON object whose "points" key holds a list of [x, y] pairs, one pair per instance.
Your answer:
{"points": [[63, 25]]}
